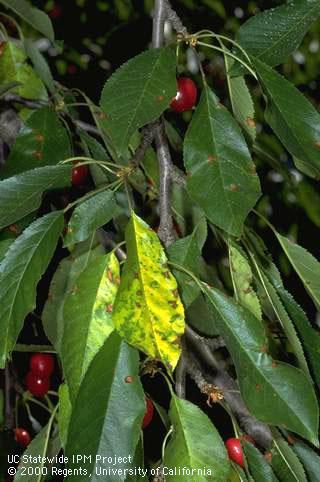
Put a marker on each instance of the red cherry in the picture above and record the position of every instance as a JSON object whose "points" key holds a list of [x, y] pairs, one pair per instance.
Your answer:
{"points": [[55, 12], [79, 175], [186, 95], [37, 385], [22, 437], [42, 364], [234, 450], [148, 413]]}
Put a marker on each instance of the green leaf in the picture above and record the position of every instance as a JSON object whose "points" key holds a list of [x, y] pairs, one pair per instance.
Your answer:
{"points": [[292, 117], [282, 317], [219, 165], [258, 466], [33, 16], [186, 253], [42, 141], [242, 280], [138, 93], [14, 68], [274, 34], [64, 414], [310, 460], [241, 101], [89, 216], [88, 318], [306, 266], [109, 411], [40, 64], [20, 272], [274, 392], [309, 336], [21, 195], [195, 444], [38, 449], [4, 246], [62, 285], [285, 463], [148, 312]]}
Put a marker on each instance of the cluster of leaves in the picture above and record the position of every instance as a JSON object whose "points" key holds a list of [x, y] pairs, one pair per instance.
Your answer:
{"points": [[101, 318]]}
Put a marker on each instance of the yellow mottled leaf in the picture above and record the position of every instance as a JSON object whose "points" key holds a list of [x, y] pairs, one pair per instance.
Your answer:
{"points": [[88, 317], [148, 311]]}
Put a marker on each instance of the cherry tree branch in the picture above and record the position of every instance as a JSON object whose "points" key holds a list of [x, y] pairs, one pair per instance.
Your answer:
{"points": [[166, 231]]}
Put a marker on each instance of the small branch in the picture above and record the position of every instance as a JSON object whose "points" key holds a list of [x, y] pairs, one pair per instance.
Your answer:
{"points": [[215, 376], [180, 375], [147, 136], [175, 20], [29, 103], [159, 18], [86, 127], [165, 231], [108, 242]]}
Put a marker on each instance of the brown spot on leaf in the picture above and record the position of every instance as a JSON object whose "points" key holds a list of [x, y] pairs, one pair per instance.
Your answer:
{"points": [[173, 304], [234, 187], [250, 122], [117, 280], [175, 293], [317, 144], [258, 387], [247, 290], [291, 440], [129, 379], [110, 276], [264, 349], [274, 364], [139, 293], [166, 274], [13, 229], [102, 115], [160, 98], [268, 457], [212, 159], [109, 308], [39, 138], [38, 155], [2, 47]]}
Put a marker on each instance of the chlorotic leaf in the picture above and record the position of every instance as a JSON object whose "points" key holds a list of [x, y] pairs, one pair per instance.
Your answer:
{"points": [[14, 68], [195, 445], [33, 16], [274, 392], [88, 318], [42, 141], [241, 101], [62, 285], [148, 312], [138, 93], [242, 279], [20, 272], [89, 216], [109, 409], [22, 194], [220, 170]]}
